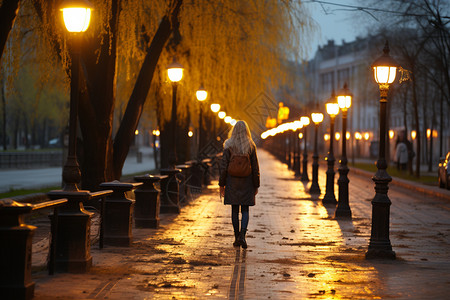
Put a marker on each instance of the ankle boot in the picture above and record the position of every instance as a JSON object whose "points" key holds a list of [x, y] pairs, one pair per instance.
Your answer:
{"points": [[236, 239], [242, 241]]}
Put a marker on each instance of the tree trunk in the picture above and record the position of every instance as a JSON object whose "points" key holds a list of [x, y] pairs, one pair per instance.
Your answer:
{"points": [[137, 99], [97, 98], [8, 13], [416, 122], [5, 139]]}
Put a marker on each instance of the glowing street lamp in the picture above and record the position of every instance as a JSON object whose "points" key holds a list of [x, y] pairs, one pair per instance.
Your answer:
{"points": [[317, 118], [201, 95], [344, 99], [384, 70], [215, 107], [296, 137], [305, 122], [76, 15], [222, 114], [73, 220], [175, 74], [332, 110]]}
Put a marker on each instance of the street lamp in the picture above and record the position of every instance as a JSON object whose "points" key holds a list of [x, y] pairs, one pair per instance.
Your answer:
{"points": [[384, 71], [317, 118], [77, 15], [215, 108], [201, 95], [297, 148], [175, 73], [305, 122], [344, 99], [72, 238], [332, 110]]}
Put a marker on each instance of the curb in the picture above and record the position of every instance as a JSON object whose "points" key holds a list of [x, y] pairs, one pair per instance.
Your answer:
{"points": [[418, 187]]}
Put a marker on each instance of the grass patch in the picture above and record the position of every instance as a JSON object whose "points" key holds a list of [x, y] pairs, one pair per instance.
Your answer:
{"points": [[428, 180], [14, 193]]}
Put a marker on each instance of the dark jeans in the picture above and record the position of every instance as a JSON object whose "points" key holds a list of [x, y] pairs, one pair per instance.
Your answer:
{"points": [[235, 217]]}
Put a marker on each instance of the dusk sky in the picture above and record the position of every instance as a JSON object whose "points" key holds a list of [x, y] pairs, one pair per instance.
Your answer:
{"points": [[335, 22]]}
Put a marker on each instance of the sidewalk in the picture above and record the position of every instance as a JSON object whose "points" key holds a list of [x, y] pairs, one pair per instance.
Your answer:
{"points": [[51, 177], [296, 250]]}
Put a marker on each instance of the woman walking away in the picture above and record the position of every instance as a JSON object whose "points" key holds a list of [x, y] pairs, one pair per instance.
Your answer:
{"points": [[239, 185]]}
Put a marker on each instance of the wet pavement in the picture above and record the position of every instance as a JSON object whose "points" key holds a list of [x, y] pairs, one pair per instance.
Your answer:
{"points": [[297, 250]]}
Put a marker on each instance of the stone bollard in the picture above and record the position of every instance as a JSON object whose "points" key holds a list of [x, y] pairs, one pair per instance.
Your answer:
{"points": [[73, 243], [170, 201], [118, 211], [195, 182], [146, 209], [185, 193], [16, 248]]}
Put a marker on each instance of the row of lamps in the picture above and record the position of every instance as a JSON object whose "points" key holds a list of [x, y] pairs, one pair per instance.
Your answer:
{"points": [[76, 16], [384, 70]]}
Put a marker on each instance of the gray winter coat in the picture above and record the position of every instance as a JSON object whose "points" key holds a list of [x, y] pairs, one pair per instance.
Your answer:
{"points": [[239, 190]]}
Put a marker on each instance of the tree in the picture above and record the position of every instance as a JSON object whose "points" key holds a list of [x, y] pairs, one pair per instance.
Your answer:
{"points": [[235, 48]]}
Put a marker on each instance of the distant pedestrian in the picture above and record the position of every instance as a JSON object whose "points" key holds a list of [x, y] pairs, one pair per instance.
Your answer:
{"points": [[401, 154], [239, 191]]}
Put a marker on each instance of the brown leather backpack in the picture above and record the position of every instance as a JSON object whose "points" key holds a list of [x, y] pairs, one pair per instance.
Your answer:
{"points": [[239, 165]]}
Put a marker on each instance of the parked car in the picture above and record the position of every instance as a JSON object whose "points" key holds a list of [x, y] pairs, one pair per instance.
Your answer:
{"points": [[444, 172]]}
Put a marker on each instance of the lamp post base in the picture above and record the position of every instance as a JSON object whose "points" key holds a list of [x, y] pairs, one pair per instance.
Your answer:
{"points": [[343, 207], [380, 253]]}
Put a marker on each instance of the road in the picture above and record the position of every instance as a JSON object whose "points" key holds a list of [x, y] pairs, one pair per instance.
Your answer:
{"points": [[20, 179], [297, 250]]}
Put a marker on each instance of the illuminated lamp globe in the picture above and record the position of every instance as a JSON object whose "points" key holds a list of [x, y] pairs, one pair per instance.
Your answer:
{"points": [[304, 120], [201, 94], [384, 68], [222, 114], [344, 98], [76, 15], [332, 108], [317, 117], [215, 107], [175, 71]]}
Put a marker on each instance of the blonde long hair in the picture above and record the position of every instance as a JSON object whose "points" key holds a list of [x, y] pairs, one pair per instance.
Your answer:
{"points": [[240, 139]]}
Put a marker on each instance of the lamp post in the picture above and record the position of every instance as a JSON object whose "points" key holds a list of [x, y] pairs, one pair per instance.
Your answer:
{"points": [[175, 73], [72, 237], [317, 118], [384, 70], [305, 122], [201, 95], [330, 198], [215, 108], [297, 149], [343, 208], [76, 15]]}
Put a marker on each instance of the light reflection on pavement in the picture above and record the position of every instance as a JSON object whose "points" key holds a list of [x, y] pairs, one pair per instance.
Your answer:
{"points": [[296, 250]]}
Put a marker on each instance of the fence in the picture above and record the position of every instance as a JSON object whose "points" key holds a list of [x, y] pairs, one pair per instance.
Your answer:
{"points": [[30, 159]]}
